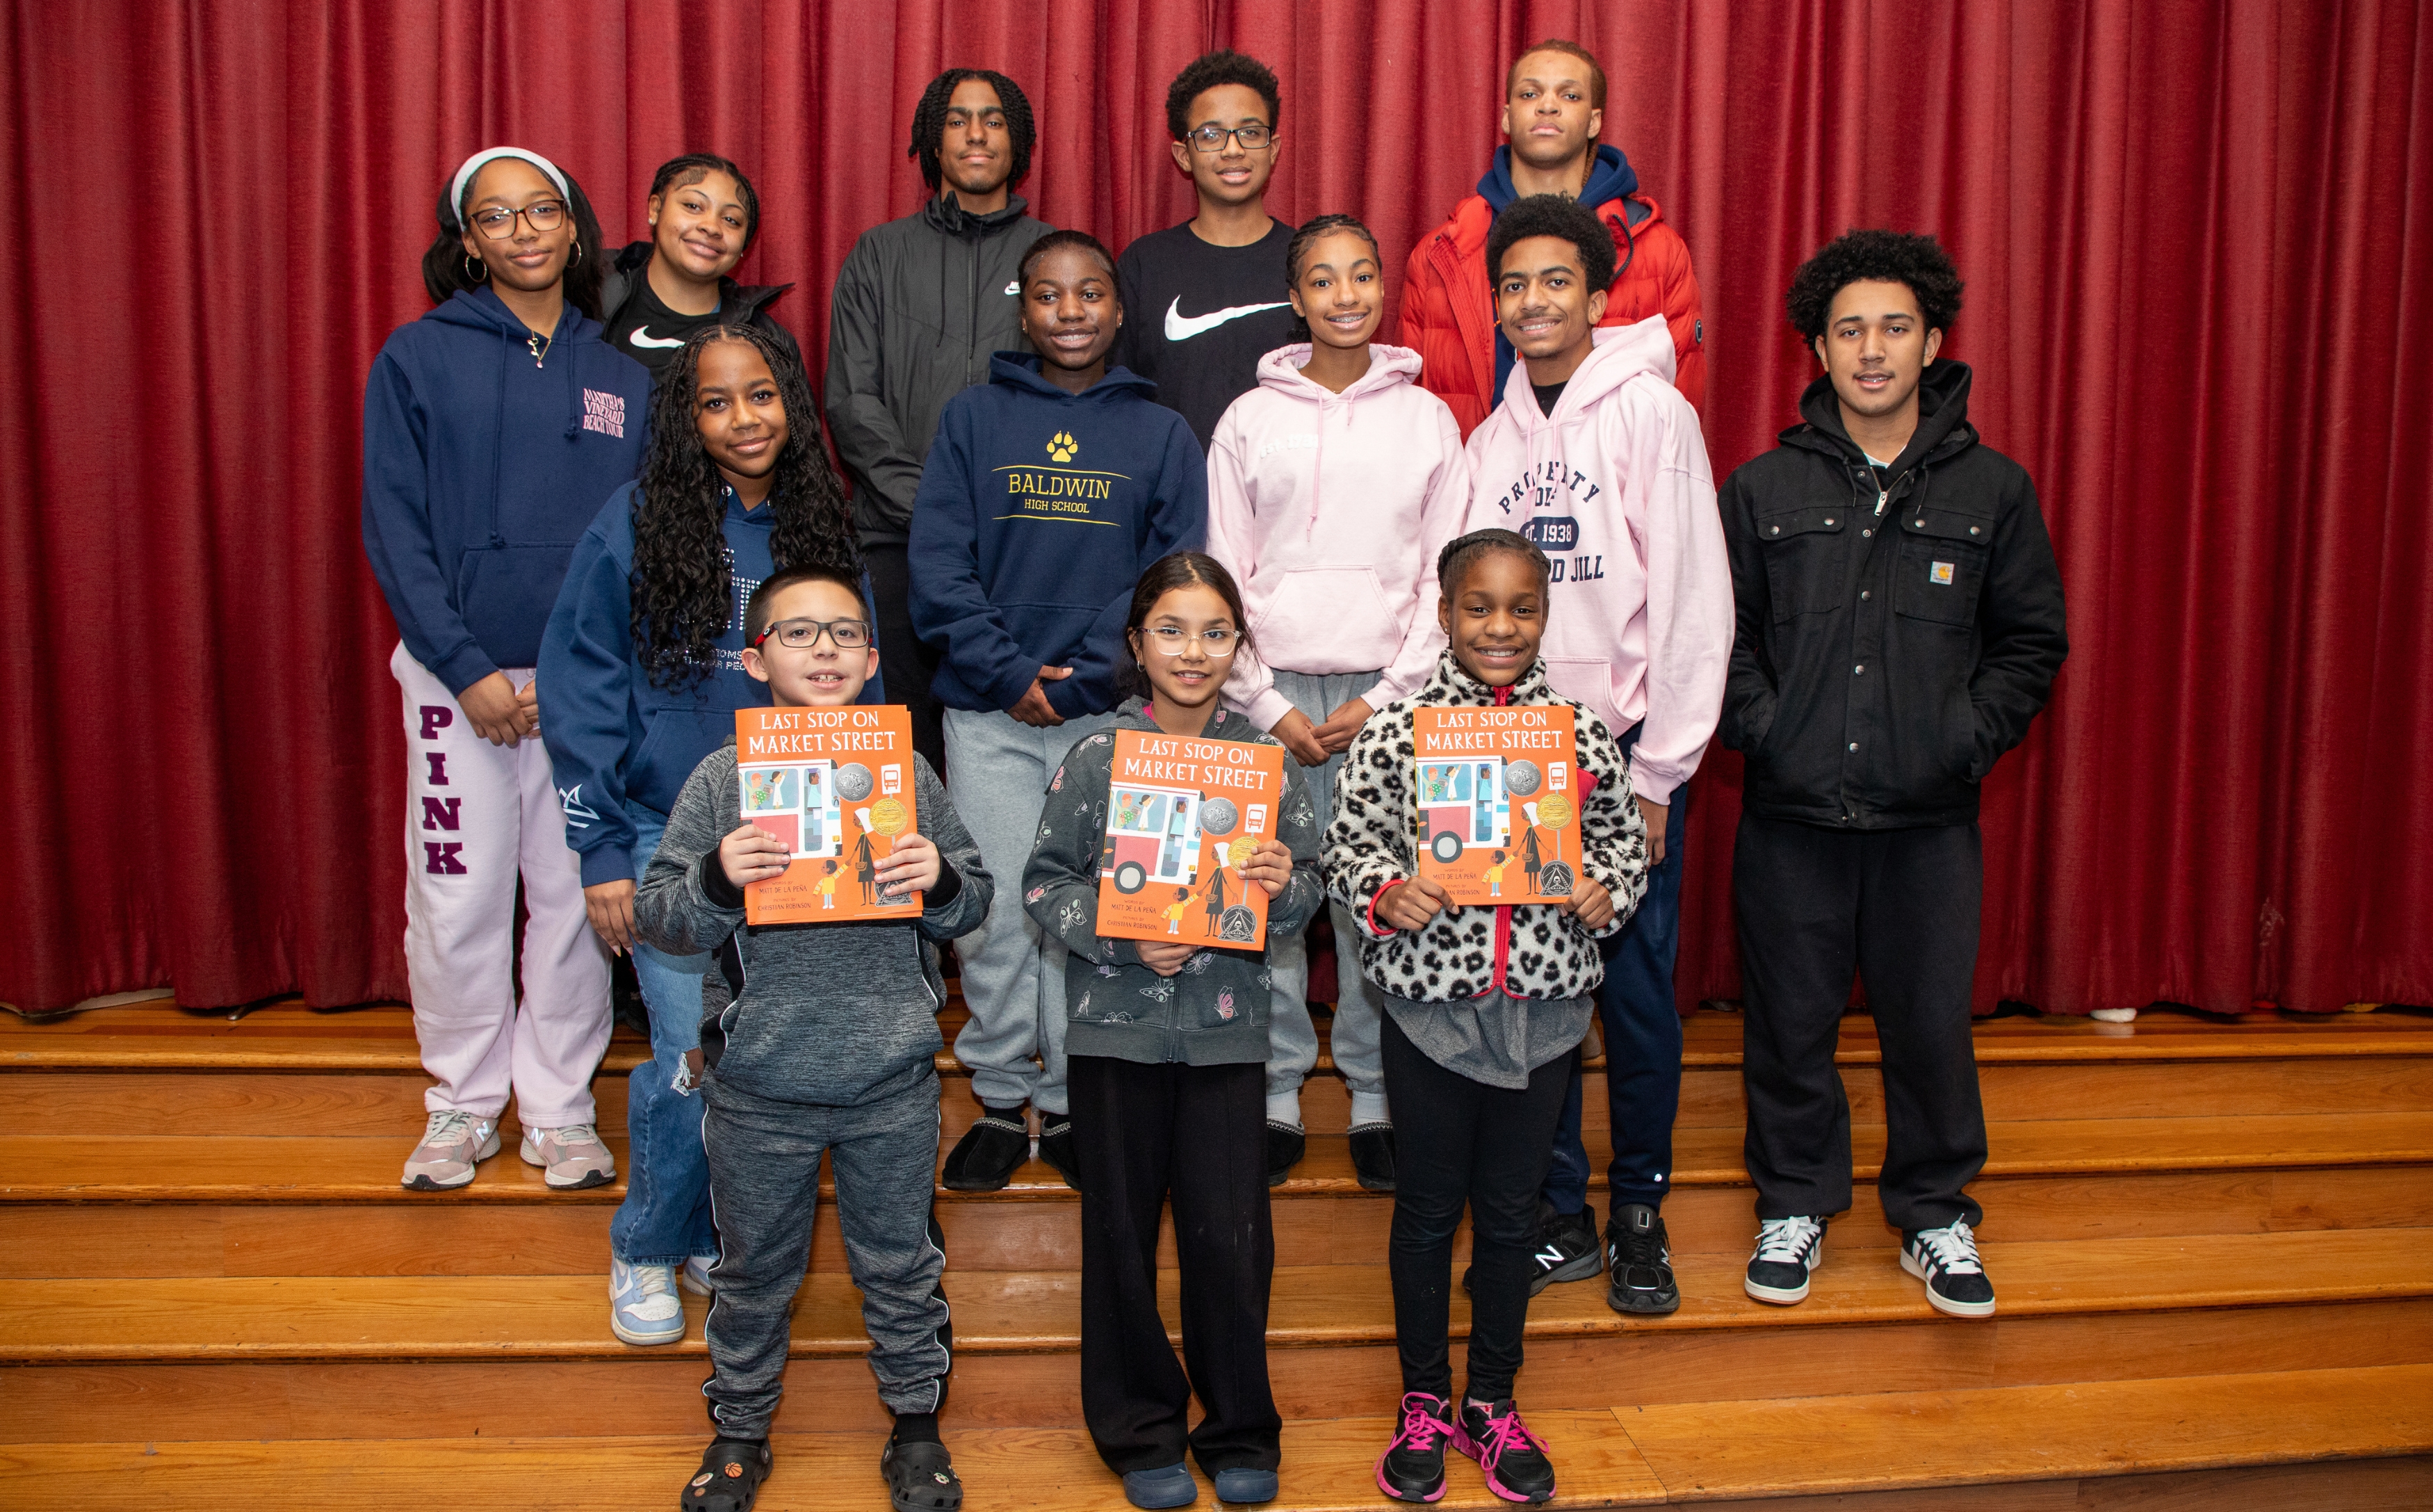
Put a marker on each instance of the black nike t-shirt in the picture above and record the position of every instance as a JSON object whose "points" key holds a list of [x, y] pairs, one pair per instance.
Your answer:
{"points": [[1198, 317], [650, 332]]}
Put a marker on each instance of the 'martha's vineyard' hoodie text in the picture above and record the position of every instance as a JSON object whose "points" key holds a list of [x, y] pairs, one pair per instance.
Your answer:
{"points": [[483, 468], [1614, 488], [1037, 512]]}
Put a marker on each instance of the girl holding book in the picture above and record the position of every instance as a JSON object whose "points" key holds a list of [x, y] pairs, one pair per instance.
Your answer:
{"points": [[1330, 486], [643, 660], [1485, 1009], [1165, 1045]]}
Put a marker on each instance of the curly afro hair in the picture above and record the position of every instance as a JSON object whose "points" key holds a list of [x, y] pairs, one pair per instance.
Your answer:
{"points": [[1856, 257], [1556, 215], [929, 122], [1209, 70]]}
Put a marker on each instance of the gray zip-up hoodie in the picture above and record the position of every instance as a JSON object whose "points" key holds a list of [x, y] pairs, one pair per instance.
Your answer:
{"points": [[830, 1014], [1214, 1010]]}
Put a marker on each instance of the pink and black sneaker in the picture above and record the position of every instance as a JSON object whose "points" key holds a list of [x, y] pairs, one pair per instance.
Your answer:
{"points": [[1412, 1467], [1513, 1458]]}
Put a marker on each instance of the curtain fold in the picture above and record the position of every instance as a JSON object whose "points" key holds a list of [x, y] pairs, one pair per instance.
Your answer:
{"points": [[2197, 249]]}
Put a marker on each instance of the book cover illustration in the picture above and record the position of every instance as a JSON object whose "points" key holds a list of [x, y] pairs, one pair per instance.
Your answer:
{"points": [[835, 787], [1498, 803], [1183, 817]]}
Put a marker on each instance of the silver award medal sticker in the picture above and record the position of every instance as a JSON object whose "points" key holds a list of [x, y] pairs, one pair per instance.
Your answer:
{"points": [[852, 782], [1521, 779], [1219, 816]]}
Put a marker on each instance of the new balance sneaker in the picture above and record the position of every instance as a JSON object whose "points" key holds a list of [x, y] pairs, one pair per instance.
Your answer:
{"points": [[1567, 1247], [1787, 1251], [1640, 1261], [1412, 1467], [643, 1307], [1056, 1148], [695, 1277], [1513, 1458], [1946, 1260], [1285, 1146], [572, 1156], [987, 1154], [453, 1141], [1373, 1156]]}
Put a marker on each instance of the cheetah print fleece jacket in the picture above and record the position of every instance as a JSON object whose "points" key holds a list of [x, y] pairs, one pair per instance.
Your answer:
{"points": [[1535, 950]]}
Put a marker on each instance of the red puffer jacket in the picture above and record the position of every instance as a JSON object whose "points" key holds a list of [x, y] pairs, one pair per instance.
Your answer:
{"points": [[1448, 309]]}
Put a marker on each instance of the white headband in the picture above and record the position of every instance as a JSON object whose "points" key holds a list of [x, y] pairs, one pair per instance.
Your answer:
{"points": [[474, 165]]}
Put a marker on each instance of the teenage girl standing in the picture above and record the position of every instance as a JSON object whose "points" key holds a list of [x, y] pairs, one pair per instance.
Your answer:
{"points": [[1330, 487], [493, 426]]}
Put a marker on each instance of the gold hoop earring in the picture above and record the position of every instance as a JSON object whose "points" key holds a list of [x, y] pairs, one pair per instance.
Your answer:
{"points": [[475, 268]]}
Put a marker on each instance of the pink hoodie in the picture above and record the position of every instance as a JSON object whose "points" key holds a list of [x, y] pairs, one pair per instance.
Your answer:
{"points": [[1328, 509], [1615, 486]]}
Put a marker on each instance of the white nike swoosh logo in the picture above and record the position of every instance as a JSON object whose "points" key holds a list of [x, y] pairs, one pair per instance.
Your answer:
{"points": [[1180, 327], [642, 337]]}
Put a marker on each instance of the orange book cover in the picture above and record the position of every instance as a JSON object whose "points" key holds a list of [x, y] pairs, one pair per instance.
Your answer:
{"points": [[1498, 795], [835, 786], [1183, 817]]}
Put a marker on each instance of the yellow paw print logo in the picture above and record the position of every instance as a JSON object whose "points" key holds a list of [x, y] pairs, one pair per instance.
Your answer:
{"points": [[1062, 446]]}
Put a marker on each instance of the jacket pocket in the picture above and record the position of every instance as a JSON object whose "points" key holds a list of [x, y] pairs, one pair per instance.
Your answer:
{"points": [[1587, 681], [677, 740], [1942, 565], [1326, 606], [1803, 558], [504, 593]]}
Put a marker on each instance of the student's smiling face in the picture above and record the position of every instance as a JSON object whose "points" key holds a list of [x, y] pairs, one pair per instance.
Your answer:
{"points": [[1070, 311], [520, 257], [701, 227], [1495, 617], [1190, 678], [824, 674], [1547, 116], [738, 411], [1340, 292], [1232, 174], [1876, 347], [1541, 299]]}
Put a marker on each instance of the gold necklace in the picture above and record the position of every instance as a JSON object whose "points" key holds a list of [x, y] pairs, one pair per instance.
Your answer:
{"points": [[538, 345]]}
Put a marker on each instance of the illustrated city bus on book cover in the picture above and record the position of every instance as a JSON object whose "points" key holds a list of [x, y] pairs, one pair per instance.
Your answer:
{"points": [[1183, 817], [1497, 794], [835, 787]]}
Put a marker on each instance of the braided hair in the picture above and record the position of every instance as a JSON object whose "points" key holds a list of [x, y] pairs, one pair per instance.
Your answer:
{"points": [[929, 122], [681, 588], [1461, 553], [1306, 238]]}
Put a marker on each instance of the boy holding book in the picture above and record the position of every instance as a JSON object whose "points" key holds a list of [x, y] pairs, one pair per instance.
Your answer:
{"points": [[821, 1040]]}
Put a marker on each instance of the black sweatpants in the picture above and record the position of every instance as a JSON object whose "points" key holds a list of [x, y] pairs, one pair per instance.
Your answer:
{"points": [[907, 664], [1898, 907], [1461, 1142], [1141, 1132]]}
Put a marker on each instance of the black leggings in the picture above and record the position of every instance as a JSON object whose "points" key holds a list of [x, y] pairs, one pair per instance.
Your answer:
{"points": [[1458, 1140]]}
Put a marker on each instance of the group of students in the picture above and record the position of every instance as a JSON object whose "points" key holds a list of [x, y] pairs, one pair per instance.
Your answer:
{"points": [[1316, 535]]}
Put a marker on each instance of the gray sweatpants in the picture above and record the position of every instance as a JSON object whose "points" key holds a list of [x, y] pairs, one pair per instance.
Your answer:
{"points": [[764, 1188], [1292, 1038], [1013, 974]]}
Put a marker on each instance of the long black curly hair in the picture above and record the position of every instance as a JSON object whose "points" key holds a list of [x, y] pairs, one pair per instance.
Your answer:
{"points": [[683, 589], [930, 123], [1893, 257]]}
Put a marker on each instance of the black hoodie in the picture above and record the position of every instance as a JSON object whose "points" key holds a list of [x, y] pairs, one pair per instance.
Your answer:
{"points": [[1893, 641], [625, 299]]}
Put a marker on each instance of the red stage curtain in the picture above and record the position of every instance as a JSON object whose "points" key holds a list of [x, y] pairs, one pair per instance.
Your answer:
{"points": [[2197, 246]]}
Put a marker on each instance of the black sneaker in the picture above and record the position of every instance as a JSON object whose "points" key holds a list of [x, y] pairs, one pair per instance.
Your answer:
{"points": [[1513, 1458], [1946, 1260], [1373, 1156], [1056, 1148], [1787, 1251], [1567, 1247], [1412, 1467], [1640, 1260], [987, 1154], [1285, 1144]]}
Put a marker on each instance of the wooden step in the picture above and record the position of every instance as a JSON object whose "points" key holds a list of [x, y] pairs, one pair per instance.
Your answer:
{"points": [[2069, 1443], [301, 1317]]}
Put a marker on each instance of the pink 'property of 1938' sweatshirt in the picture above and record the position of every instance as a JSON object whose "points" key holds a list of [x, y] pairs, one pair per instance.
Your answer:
{"points": [[1329, 510]]}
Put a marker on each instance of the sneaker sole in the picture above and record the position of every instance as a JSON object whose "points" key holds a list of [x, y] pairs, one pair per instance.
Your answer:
{"points": [[644, 1340], [580, 1183], [1783, 1296], [1387, 1486], [1632, 1303], [1940, 1302]]}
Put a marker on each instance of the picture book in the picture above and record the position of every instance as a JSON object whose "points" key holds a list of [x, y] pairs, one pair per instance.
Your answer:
{"points": [[1498, 798], [1183, 817], [835, 786]]}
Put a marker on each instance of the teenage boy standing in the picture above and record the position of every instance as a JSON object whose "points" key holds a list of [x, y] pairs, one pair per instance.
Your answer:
{"points": [[920, 304], [1597, 458], [1900, 623], [1554, 108], [1207, 300]]}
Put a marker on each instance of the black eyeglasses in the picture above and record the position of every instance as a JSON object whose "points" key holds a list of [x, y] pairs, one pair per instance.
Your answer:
{"points": [[1210, 138], [802, 635], [498, 223]]}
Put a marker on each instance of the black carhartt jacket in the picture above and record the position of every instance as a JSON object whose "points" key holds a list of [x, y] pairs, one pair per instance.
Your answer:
{"points": [[1892, 643]]}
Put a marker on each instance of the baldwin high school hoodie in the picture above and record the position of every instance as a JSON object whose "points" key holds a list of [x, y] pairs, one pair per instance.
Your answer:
{"points": [[1614, 488], [1329, 510]]}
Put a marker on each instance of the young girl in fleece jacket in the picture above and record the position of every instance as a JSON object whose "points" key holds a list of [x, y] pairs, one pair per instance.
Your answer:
{"points": [[1330, 487]]}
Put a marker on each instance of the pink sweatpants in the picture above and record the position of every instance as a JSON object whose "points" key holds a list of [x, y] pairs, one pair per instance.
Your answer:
{"points": [[476, 814]]}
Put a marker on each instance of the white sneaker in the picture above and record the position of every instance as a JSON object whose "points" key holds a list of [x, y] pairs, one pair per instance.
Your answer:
{"points": [[1787, 1251], [453, 1141], [643, 1307], [2114, 1015], [572, 1156], [695, 1278]]}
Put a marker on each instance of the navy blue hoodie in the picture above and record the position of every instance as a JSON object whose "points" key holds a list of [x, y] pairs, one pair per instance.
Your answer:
{"points": [[1011, 565], [1610, 177], [480, 470], [614, 735]]}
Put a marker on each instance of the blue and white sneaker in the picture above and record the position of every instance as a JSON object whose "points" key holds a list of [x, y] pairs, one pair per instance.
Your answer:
{"points": [[643, 1307], [1946, 1260], [1787, 1251], [695, 1277]]}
